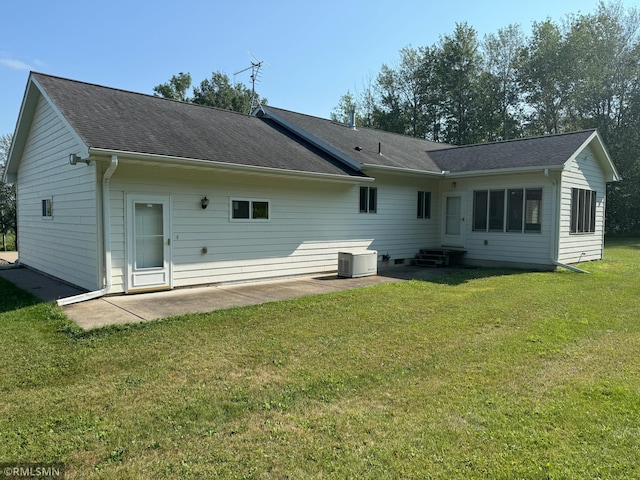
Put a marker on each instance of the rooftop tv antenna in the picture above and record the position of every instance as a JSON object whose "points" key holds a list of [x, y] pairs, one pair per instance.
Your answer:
{"points": [[255, 77]]}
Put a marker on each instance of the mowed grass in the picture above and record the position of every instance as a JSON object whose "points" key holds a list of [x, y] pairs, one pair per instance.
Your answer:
{"points": [[483, 374]]}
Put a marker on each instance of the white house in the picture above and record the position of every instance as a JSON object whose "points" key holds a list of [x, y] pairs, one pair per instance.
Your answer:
{"points": [[120, 192]]}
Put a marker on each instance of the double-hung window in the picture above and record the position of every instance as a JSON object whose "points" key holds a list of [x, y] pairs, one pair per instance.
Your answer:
{"points": [[424, 205], [583, 210], [368, 200], [247, 210], [47, 208]]}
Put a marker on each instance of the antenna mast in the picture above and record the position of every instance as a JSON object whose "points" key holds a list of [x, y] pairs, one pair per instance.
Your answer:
{"points": [[255, 77]]}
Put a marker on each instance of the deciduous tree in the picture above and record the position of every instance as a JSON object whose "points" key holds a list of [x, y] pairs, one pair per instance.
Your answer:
{"points": [[7, 194]]}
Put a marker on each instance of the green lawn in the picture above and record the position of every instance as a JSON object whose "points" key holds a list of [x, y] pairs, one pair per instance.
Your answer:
{"points": [[484, 374]]}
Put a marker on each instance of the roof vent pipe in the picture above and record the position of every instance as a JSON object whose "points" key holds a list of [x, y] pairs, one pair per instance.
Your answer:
{"points": [[379, 148], [352, 117]]}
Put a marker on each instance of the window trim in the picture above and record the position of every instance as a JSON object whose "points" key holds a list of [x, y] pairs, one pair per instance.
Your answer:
{"points": [[484, 208], [251, 201], [370, 197], [584, 211], [423, 205]]}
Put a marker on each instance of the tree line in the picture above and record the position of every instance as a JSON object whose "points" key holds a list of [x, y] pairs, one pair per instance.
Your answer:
{"points": [[579, 73], [217, 91], [8, 218]]}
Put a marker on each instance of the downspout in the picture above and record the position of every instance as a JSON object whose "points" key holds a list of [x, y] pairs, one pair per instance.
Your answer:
{"points": [[106, 233], [555, 244]]}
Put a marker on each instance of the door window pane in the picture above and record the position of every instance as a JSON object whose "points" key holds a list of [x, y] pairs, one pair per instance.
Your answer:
{"points": [[452, 226], [149, 235]]}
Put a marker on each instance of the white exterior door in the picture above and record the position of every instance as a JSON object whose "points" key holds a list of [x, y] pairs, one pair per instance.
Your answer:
{"points": [[148, 242], [453, 219]]}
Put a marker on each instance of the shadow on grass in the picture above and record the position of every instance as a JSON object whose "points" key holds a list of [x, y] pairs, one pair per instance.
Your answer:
{"points": [[442, 275], [454, 275], [463, 275], [14, 298], [622, 241]]}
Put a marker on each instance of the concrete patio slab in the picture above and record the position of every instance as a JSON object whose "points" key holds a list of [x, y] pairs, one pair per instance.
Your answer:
{"points": [[123, 309]]}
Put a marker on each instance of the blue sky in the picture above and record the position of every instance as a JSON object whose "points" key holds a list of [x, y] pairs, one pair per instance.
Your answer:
{"points": [[315, 50]]}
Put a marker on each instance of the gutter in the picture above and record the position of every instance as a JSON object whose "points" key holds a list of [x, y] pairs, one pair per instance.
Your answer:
{"points": [[400, 171], [164, 160], [106, 232], [501, 171]]}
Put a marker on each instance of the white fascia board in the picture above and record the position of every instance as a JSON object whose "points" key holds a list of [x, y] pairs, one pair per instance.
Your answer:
{"points": [[84, 149], [602, 154], [191, 163], [19, 138], [504, 171], [312, 139]]}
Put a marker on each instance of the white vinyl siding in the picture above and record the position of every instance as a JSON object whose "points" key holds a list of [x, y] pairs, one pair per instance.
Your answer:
{"points": [[495, 245], [64, 245], [310, 222], [583, 173]]}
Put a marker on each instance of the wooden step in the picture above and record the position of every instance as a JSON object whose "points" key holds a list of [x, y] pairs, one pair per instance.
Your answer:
{"points": [[435, 257]]}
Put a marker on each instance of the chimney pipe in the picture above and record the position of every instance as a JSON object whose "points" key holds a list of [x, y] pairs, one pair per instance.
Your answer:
{"points": [[352, 117]]}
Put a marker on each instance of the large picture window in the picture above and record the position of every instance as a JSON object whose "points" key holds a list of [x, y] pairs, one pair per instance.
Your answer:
{"points": [[514, 210], [583, 210], [250, 210], [368, 200]]}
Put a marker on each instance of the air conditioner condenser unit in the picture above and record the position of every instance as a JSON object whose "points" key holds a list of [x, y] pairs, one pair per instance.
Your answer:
{"points": [[357, 264]]}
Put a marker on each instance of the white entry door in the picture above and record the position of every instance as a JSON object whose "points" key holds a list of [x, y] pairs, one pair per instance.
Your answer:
{"points": [[149, 243], [453, 228]]}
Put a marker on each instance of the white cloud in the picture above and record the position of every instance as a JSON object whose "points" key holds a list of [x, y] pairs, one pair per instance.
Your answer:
{"points": [[15, 64]]}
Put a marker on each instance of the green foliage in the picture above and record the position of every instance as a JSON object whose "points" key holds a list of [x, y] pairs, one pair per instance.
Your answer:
{"points": [[176, 88], [457, 378], [215, 92], [219, 92], [577, 74], [8, 217], [458, 72]]}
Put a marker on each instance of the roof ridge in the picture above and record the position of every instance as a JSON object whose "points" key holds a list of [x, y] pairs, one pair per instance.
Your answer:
{"points": [[132, 92], [521, 139], [345, 125]]}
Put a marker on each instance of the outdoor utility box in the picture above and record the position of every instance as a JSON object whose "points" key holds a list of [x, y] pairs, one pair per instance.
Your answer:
{"points": [[357, 264]]}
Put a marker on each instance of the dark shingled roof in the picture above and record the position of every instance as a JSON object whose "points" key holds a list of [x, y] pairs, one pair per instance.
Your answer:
{"points": [[113, 119], [548, 151], [399, 151], [119, 120]]}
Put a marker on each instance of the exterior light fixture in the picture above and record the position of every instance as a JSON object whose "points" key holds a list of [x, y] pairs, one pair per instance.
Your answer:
{"points": [[204, 202]]}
